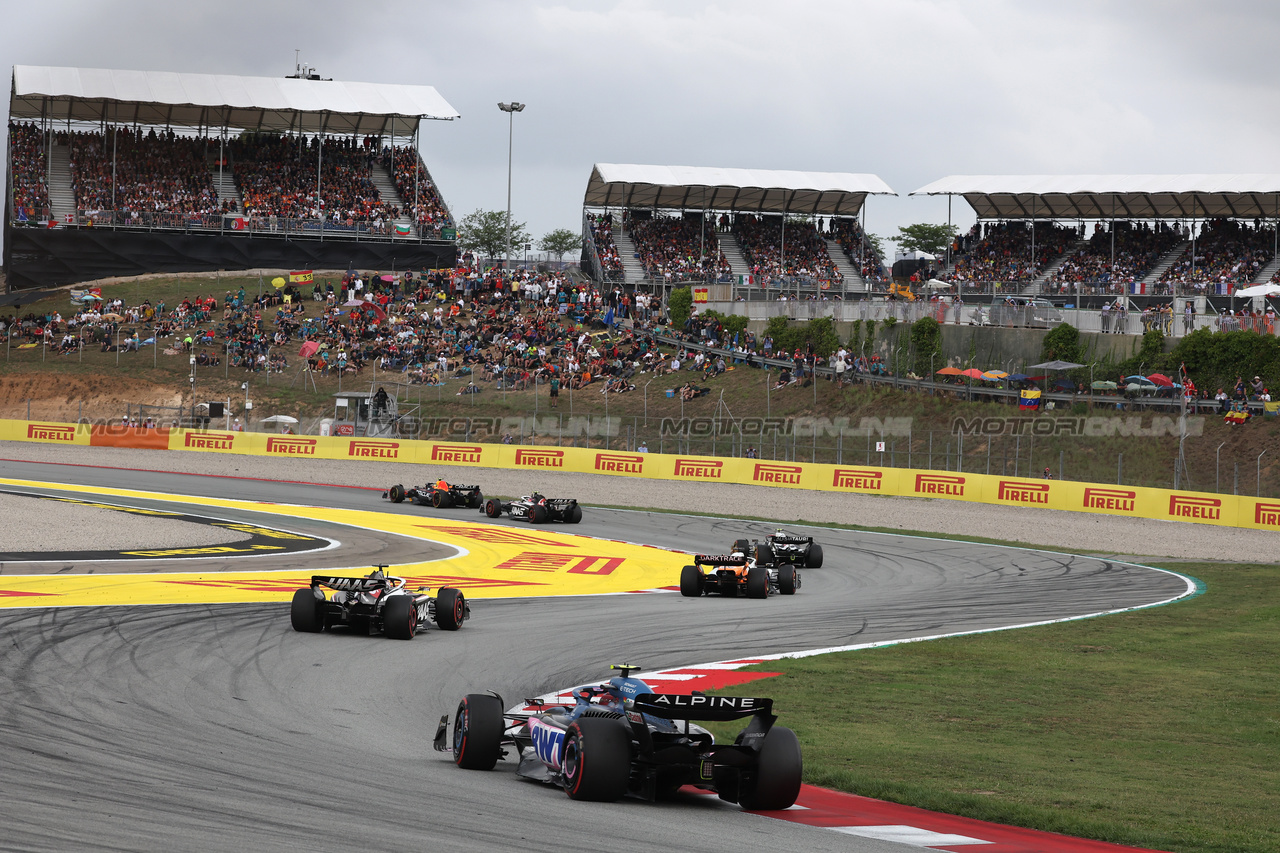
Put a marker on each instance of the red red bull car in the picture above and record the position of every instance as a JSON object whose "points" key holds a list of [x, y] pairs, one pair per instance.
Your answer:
{"points": [[440, 495]]}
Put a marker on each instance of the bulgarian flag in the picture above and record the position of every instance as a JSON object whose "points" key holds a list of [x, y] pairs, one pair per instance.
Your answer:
{"points": [[403, 229]]}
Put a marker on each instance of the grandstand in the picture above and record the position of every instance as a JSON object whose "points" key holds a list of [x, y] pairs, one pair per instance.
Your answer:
{"points": [[1159, 235], [755, 233], [130, 172]]}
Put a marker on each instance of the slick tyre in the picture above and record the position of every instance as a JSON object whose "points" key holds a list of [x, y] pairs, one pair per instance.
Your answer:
{"points": [[787, 581], [475, 500], [441, 500], [596, 763], [304, 612], [477, 732], [690, 582], [741, 545], [573, 515], [492, 508], [813, 560], [451, 608], [764, 555], [537, 514], [777, 778], [757, 582], [396, 493], [400, 618]]}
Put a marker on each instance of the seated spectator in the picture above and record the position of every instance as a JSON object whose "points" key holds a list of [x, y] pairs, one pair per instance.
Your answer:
{"points": [[679, 249]]}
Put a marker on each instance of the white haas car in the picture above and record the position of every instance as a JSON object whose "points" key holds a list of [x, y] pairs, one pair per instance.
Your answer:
{"points": [[376, 602], [535, 509]]}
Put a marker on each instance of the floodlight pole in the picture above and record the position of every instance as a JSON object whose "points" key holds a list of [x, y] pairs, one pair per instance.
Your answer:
{"points": [[510, 109]]}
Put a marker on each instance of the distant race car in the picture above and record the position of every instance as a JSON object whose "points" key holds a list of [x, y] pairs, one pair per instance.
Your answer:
{"points": [[783, 547], [536, 509], [376, 602], [621, 738], [737, 572], [440, 495]]}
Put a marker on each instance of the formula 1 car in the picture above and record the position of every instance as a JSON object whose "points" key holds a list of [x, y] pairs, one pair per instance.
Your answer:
{"points": [[536, 509], [451, 494], [736, 572], [621, 738], [376, 602], [783, 547]]}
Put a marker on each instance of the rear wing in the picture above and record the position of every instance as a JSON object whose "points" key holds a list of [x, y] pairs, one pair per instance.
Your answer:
{"points": [[461, 488], [350, 584], [720, 560], [680, 706]]}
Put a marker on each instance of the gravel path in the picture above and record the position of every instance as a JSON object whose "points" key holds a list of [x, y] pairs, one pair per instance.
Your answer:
{"points": [[1056, 529], [32, 524]]}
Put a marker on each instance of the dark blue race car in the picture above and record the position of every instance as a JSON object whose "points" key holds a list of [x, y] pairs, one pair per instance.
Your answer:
{"points": [[621, 738]]}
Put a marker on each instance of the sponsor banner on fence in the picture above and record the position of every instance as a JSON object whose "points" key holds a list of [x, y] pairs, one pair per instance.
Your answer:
{"points": [[1132, 501]]}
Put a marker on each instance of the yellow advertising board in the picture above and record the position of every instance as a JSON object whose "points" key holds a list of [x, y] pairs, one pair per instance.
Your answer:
{"points": [[1132, 501]]}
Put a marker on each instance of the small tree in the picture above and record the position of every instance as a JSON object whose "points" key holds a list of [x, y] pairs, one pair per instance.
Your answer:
{"points": [[926, 337], [560, 242], [680, 306], [924, 237], [1062, 344], [486, 230]]}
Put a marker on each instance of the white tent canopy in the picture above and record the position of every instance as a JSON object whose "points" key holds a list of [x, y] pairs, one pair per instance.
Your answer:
{"points": [[708, 188], [1245, 196], [218, 100]]}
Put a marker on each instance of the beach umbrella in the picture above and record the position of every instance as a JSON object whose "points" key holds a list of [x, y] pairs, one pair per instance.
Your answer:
{"points": [[949, 371], [995, 375], [972, 373], [1161, 380], [1139, 380], [1103, 385]]}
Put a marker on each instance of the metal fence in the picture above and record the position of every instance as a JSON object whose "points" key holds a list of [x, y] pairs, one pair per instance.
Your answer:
{"points": [[255, 226]]}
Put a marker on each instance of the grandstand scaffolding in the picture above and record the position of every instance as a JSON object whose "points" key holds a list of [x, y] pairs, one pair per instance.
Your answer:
{"points": [[191, 219]]}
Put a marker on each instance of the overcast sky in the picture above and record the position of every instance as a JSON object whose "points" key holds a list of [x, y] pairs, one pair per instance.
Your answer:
{"points": [[910, 90]]}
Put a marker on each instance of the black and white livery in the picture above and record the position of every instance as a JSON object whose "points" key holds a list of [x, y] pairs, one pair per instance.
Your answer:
{"points": [[536, 509], [441, 495], [783, 547], [621, 738], [377, 603], [740, 572]]}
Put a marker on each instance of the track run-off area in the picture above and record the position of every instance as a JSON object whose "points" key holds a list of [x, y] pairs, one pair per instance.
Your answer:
{"points": [[162, 701]]}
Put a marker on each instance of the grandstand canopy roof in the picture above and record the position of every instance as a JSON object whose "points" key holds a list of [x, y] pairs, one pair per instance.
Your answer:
{"points": [[1119, 196], [705, 188], [221, 100]]}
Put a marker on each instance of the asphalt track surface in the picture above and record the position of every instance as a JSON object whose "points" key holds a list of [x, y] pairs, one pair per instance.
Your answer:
{"points": [[217, 727]]}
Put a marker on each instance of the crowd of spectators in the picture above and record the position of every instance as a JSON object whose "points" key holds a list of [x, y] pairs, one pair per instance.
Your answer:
{"points": [[762, 242], [606, 249], [1138, 246], [848, 235], [27, 159], [410, 176], [151, 172], [1227, 252], [1001, 251], [678, 249], [276, 176]]}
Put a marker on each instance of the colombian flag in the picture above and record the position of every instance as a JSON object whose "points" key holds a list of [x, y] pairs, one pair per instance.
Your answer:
{"points": [[303, 277], [1029, 398]]}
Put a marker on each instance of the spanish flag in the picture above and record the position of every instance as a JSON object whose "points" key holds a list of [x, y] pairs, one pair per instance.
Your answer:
{"points": [[303, 277], [1029, 398]]}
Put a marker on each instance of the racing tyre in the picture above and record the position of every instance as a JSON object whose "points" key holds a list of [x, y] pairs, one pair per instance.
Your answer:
{"points": [[400, 618], [477, 732], [396, 493], [574, 515], [813, 560], [787, 580], [537, 514], [764, 555], [441, 500], [492, 508], [596, 763], [451, 608], [777, 782], [757, 582], [475, 500], [741, 545], [690, 582], [304, 612]]}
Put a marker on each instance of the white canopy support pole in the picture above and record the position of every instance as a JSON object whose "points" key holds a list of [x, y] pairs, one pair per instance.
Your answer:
{"points": [[319, 166], [417, 170], [950, 234], [1193, 240], [114, 135], [1034, 266], [222, 156], [1113, 239]]}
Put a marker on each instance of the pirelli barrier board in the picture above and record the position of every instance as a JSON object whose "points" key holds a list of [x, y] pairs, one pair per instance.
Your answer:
{"points": [[1131, 501]]}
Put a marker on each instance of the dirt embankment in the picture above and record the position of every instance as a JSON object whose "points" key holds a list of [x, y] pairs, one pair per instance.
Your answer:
{"points": [[66, 398]]}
